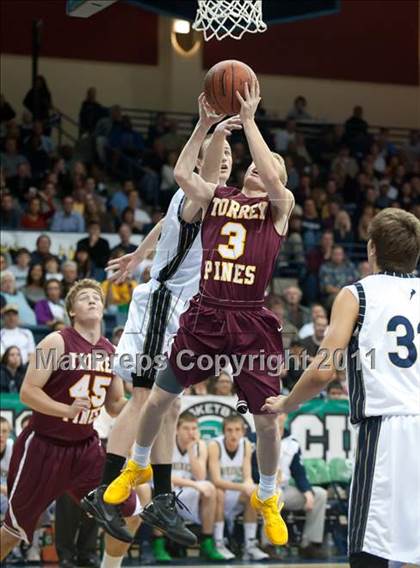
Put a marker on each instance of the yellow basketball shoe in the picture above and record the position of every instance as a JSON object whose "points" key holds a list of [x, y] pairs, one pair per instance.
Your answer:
{"points": [[274, 526], [119, 490]]}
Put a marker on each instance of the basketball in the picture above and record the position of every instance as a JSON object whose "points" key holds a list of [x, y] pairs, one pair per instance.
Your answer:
{"points": [[221, 83]]}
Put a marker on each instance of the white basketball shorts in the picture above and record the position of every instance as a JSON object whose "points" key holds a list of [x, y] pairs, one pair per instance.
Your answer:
{"points": [[152, 321], [385, 494], [191, 498]]}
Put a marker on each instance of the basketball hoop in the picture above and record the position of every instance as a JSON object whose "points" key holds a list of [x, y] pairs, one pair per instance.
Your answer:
{"points": [[229, 18]]}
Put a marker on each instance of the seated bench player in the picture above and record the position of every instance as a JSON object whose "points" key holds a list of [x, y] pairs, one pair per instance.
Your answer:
{"points": [[189, 472], [230, 471]]}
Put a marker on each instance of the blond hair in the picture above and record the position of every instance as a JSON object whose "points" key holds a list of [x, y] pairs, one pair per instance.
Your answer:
{"points": [[77, 287], [283, 171], [396, 236]]}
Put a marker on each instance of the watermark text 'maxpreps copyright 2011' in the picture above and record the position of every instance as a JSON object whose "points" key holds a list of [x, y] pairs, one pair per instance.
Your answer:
{"points": [[186, 360]]}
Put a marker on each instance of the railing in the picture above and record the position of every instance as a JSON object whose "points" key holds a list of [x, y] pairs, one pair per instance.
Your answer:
{"points": [[68, 127], [142, 119]]}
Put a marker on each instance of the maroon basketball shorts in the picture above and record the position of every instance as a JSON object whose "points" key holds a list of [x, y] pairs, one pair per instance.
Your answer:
{"points": [[250, 338], [41, 470]]}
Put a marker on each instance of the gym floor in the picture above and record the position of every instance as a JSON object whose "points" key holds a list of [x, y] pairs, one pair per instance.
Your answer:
{"points": [[274, 564], [330, 564]]}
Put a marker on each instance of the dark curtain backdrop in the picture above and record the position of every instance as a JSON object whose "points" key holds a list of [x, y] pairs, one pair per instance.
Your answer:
{"points": [[121, 33], [368, 40]]}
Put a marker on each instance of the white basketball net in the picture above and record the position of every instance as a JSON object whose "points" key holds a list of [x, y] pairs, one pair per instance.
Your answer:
{"points": [[229, 18]]}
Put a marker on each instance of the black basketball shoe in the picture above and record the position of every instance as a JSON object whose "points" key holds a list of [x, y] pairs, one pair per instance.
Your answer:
{"points": [[162, 514], [108, 516]]}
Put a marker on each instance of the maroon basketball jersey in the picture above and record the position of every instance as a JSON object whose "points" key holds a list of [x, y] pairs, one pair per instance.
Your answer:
{"points": [[240, 246], [83, 370]]}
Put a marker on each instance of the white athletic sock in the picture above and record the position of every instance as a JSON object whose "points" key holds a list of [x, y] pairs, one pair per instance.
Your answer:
{"points": [[111, 561], [250, 533], [141, 455], [267, 486], [218, 531]]}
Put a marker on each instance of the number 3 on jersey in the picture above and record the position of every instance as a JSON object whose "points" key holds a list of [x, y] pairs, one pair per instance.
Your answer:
{"points": [[405, 341], [236, 244]]}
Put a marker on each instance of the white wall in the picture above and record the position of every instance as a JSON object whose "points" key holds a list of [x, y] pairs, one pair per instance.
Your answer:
{"points": [[177, 81]]}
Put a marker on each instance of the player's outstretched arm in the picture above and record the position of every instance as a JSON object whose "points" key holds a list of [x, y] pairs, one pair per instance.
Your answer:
{"points": [[281, 198], [41, 364], [193, 185], [115, 399], [124, 266], [210, 169], [322, 369]]}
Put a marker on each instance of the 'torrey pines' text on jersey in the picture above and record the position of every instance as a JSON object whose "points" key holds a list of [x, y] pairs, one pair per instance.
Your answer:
{"points": [[84, 370], [240, 246]]}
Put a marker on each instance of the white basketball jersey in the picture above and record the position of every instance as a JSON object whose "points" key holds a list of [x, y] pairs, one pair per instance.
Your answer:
{"points": [[231, 468], [5, 461], [383, 358], [181, 465], [178, 256]]}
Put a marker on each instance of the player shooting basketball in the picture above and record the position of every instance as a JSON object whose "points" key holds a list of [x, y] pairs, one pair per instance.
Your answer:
{"points": [[152, 321], [242, 232]]}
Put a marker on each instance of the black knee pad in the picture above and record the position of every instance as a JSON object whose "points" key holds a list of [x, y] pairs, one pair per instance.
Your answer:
{"points": [[141, 381]]}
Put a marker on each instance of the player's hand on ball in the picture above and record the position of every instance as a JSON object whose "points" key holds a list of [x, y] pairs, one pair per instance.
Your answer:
{"points": [[123, 267], [251, 101], [226, 127], [208, 116], [79, 404]]}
